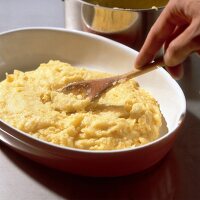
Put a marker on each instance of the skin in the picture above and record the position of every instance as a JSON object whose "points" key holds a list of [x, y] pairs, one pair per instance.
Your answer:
{"points": [[178, 30]]}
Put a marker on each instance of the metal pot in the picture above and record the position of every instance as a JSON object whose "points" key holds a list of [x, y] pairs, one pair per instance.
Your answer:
{"points": [[133, 34]]}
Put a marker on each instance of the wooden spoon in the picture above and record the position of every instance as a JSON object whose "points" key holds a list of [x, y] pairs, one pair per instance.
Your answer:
{"points": [[96, 87]]}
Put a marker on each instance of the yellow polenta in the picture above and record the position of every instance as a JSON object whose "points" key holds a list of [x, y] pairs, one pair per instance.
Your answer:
{"points": [[126, 116]]}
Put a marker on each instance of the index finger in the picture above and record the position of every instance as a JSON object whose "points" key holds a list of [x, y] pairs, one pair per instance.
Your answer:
{"points": [[159, 32]]}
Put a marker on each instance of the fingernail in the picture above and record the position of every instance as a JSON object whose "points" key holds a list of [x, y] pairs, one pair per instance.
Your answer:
{"points": [[138, 64]]}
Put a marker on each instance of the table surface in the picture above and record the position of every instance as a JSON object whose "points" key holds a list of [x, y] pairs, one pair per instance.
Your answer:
{"points": [[177, 176]]}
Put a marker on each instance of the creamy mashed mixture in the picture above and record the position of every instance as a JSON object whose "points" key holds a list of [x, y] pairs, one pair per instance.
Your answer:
{"points": [[126, 116]]}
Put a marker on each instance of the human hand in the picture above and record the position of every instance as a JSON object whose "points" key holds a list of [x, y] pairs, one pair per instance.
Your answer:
{"points": [[178, 29]]}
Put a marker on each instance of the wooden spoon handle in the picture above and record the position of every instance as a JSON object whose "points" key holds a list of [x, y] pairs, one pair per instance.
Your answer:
{"points": [[146, 68]]}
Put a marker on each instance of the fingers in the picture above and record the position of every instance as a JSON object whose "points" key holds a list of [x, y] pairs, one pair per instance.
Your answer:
{"points": [[160, 31], [177, 31], [176, 71], [183, 45]]}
